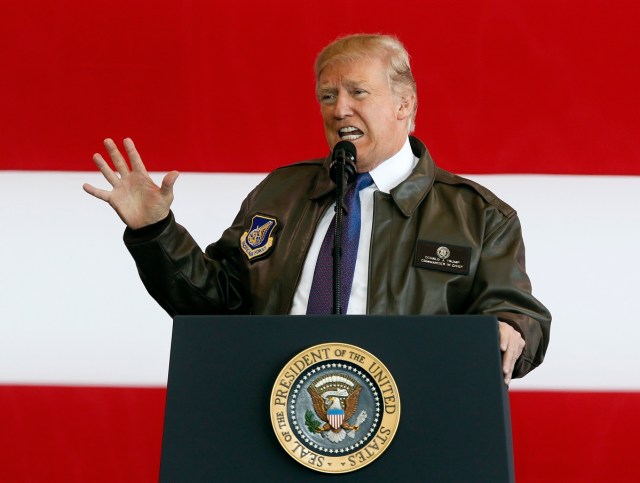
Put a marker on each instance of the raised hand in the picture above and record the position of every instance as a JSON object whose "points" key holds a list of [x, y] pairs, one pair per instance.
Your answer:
{"points": [[137, 200]]}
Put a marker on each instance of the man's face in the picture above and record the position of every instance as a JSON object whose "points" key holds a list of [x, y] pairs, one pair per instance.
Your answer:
{"points": [[357, 105]]}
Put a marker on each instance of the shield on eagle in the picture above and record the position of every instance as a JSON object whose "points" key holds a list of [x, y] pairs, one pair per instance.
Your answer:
{"points": [[335, 415]]}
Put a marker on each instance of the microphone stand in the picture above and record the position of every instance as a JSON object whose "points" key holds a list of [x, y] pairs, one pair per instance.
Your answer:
{"points": [[337, 240], [342, 171]]}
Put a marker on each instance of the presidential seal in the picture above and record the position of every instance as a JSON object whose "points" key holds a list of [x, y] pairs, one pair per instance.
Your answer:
{"points": [[443, 253], [335, 408]]}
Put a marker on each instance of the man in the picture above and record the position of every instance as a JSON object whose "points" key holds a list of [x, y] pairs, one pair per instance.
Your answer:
{"points": [[434, 244]]}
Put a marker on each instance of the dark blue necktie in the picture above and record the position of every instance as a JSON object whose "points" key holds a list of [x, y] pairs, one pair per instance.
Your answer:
{"points": [[321, 295]]}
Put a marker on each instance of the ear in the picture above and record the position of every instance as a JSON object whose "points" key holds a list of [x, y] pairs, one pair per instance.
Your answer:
{"points": [[405, 108]]}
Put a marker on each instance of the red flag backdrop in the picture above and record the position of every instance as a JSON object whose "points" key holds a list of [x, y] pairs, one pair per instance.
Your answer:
{"points": [[505, 86]]}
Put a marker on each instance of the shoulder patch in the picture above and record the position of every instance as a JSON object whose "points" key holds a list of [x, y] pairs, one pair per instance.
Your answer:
{"points": [[258, 240]]}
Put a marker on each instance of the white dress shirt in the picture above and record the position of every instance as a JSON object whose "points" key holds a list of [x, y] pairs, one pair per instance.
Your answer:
{"points": [[386, 176]]}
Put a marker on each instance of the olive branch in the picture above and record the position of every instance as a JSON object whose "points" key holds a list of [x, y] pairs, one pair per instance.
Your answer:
{"points": [[312, 423]]}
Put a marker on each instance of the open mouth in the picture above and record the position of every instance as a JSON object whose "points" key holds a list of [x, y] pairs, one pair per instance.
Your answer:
{"points": [[350, 133]]}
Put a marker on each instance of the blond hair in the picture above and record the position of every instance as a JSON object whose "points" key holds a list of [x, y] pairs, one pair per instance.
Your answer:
{"points": [[385, 47]]}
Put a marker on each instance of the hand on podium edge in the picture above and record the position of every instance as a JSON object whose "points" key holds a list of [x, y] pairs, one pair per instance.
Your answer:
{"points": [[136, 199], [511, 345]]}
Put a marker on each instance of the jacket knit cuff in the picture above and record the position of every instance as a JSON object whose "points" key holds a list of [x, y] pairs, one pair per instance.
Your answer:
{"points": [[146, 233]]}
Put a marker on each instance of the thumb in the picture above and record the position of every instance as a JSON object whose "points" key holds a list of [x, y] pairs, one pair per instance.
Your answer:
{"points": [[168, 182], [503, 335]]}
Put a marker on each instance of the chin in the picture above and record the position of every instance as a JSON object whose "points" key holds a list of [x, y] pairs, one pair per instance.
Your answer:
{"points": [[363, 166]]}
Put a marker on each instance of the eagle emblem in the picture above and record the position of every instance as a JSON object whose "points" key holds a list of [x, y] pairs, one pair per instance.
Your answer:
{"points": [[332, 414], [335, 401], [258, 234], [258, 240]]}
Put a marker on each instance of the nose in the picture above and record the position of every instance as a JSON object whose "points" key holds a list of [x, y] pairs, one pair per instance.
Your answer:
{"points": [[342, 106]]}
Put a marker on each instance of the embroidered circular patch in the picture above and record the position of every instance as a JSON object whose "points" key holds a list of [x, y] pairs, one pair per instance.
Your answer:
{"points": [[335, 408]]}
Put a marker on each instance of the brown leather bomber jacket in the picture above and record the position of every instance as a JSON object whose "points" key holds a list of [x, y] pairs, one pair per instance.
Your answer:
{"points": [[441, 245]]}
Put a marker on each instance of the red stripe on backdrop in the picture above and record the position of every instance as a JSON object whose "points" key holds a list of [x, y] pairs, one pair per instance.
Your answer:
{"points": [[581, 437], [78, 434], [538, 87]]}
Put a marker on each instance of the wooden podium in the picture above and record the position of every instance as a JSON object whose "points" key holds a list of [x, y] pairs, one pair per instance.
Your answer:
{"points": [[454, 424]]}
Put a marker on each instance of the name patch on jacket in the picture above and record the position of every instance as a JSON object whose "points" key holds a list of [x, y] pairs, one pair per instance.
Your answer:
{"points": [[442, 256], [258, 240]]}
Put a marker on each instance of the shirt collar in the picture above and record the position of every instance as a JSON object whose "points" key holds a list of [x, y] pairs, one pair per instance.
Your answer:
{"points": [[390, 173]]}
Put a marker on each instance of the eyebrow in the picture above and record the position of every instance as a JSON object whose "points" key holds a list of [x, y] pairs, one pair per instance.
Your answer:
{"points": [[357, 83], [347, 84]]}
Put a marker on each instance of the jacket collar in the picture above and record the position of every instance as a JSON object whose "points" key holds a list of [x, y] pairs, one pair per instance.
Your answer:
{"points": [[410, 193], [407, 195], [322, 184]]}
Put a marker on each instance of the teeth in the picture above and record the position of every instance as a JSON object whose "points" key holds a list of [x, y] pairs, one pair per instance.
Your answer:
{"points": [[352, 137], [344, 133]]}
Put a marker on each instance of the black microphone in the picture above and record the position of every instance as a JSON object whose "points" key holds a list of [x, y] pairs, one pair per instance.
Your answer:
{"points": [[342, 172], [344, 153]]}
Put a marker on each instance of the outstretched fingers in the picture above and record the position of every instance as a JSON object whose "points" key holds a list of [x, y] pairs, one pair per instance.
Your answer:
{"points": [[105, 169], [103, 195], [118, 160], [109, 175], [167, 183], [134, 156]]}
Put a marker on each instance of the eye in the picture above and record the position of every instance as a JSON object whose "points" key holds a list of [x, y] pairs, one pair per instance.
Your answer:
{"points": [[327, 98], [357, 92]]}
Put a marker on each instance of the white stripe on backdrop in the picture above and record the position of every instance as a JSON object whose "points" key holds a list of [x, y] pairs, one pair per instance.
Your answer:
{"points": [[73, 310]]}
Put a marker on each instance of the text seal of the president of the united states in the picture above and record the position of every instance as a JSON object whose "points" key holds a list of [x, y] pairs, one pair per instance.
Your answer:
{"points": [[335, 408]]}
